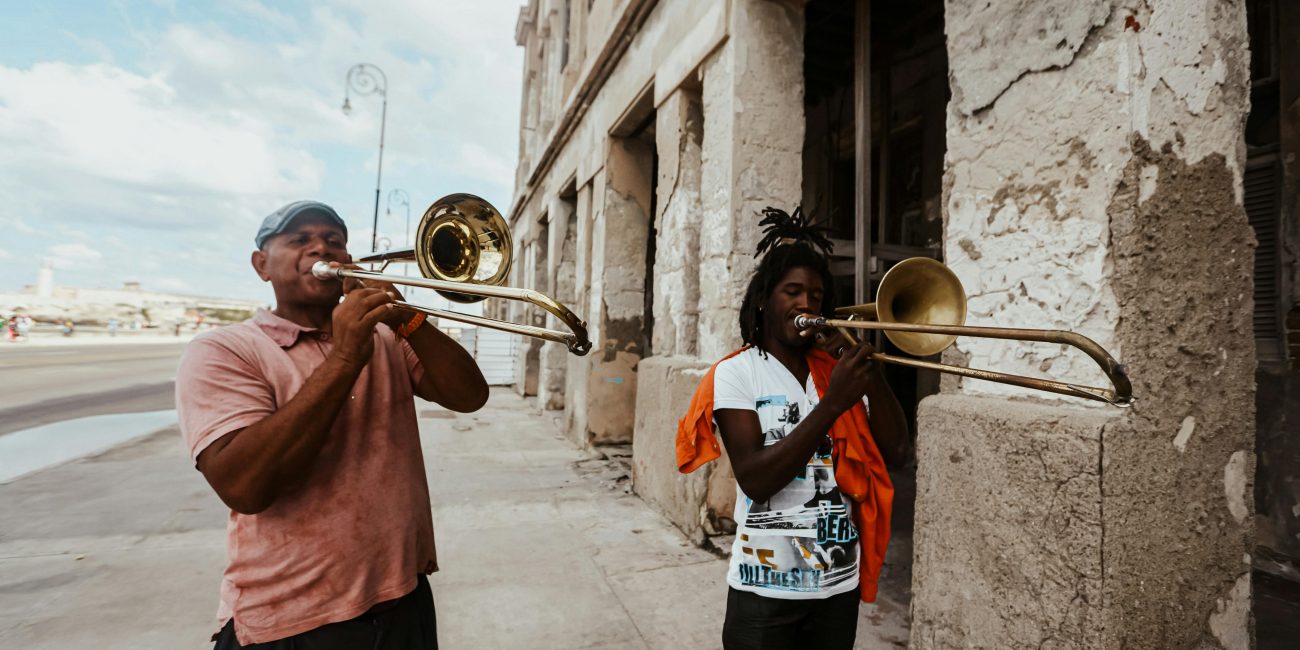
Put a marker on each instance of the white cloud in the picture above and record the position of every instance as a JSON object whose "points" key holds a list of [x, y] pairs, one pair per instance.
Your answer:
{"points": [[17, 225], [5, 255], [261, 12], [162, 167], [69, 256], [103, 123], [479, 161]]}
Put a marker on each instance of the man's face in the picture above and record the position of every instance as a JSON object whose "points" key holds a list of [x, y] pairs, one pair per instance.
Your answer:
{"points": [[799, 292], [287, 258]]}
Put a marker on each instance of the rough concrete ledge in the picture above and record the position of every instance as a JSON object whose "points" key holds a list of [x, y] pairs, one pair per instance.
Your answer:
{"points": [[1008, 540], [691, 501]]}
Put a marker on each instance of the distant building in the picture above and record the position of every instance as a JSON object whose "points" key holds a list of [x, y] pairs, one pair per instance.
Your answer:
{"points": [[131, 304]]}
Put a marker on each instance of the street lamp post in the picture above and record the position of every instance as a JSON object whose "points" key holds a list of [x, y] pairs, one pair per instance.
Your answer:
{"points": [[368, 79], [399, 197]]}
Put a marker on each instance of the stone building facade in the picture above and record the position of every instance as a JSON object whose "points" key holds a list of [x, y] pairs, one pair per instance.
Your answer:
{"points": [[1125, 169]]}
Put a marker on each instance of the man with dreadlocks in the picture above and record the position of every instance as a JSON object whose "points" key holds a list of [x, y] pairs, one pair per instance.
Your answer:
{"points": [[808, 438]]}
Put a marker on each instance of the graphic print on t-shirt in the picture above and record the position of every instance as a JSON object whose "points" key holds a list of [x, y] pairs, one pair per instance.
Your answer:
{"points": [[801, 542]]}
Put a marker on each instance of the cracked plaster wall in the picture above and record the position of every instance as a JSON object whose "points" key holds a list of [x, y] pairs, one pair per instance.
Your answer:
{"points": [[553, 358], [1093, 183], [679, 132], [1036, 151], [752, 154]]}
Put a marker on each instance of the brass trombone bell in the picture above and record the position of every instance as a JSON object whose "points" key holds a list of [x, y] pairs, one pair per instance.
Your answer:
{"points": [[921, 307], [463, 249], [916, 290]]}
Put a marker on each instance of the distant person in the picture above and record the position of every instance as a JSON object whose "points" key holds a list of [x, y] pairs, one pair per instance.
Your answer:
{"points": [[112, 327], [69, 327], [302, 419], [24, 325]]}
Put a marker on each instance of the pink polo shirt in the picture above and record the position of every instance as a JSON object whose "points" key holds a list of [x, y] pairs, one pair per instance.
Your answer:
{"points": [[360, 530]]}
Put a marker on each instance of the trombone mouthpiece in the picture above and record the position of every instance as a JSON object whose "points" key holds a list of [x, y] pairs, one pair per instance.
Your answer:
{"points": [[804, 322], [322, 271]]}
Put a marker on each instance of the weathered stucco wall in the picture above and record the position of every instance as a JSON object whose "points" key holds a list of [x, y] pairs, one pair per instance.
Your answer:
{"points": [[1008, 532], [752, 154], [1094, 161], [559, 283], [700, 503], [621, 245], [679, 132]]}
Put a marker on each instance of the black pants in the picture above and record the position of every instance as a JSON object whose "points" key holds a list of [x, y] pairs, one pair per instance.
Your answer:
{"points": [[758, 623], [407, 623]]}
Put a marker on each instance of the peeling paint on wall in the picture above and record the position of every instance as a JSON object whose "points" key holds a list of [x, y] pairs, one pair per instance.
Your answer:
{"points": [[1234, 485], [1184, 433], [1230, 622]]}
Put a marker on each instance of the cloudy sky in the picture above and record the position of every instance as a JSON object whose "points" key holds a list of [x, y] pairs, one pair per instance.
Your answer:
{"points": [[145, 140]]}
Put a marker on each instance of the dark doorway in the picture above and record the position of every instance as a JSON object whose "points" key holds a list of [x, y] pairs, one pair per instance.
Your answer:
{"points": [[1269, 191], [876, 94]]}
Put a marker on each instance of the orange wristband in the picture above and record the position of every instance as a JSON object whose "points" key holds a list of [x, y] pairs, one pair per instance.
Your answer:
{"points": [[411, 325]]}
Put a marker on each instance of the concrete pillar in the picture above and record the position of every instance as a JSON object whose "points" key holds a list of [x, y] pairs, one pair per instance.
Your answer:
{"points": [[670, 377], [579, 368], [1093, 183], [623, 225], [752, 153], [529, 355], [561, 240], [679, 133]]}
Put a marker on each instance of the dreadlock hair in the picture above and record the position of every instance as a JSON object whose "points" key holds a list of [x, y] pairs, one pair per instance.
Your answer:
{"points": [[789, 242]]}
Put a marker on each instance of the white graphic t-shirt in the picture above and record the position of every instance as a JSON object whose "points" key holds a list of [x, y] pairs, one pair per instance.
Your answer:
{"points": [[801, 543]]}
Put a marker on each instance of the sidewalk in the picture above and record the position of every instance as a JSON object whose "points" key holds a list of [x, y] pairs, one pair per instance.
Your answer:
{"points": [[125, 549]]}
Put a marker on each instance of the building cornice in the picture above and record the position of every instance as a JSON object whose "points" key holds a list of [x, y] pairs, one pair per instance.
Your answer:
{"points": [[629, 24]]}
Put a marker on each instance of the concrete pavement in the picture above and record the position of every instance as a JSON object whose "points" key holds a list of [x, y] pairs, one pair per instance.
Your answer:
{"points": [[540, 546]]}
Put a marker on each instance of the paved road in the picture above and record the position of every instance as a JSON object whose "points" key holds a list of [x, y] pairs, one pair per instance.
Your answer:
{"points": [[44, 384]]}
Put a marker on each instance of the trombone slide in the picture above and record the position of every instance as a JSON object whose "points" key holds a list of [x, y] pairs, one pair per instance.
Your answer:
{"points": [[575, 340], [1120, 394]]}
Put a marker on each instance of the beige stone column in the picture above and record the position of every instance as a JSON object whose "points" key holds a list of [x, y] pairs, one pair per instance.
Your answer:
{"points": [[618, 298], [752, 154], [1093, 183], [579, 368], [561, 244], [667, 379], [679, 133]]}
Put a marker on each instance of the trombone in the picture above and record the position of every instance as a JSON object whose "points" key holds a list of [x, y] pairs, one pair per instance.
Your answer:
{"points": [[462, 246], [921, 306]]}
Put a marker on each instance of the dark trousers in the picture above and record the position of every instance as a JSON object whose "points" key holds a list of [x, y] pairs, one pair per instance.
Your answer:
{"points": [[407, 623], [758, 623]]}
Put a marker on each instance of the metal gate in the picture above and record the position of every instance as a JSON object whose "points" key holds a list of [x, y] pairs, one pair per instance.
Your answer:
{"points": [[494, 351]]}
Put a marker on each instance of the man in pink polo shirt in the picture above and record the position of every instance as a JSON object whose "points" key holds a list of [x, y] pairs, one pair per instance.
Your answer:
{"points": [[302, 419]]}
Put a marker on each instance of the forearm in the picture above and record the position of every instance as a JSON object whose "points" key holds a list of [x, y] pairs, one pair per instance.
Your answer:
{"points": [[263, 460], [451, 377], [888, 422], [765, 471]]}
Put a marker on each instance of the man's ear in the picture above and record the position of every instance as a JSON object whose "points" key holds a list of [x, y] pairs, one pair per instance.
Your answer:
{"points": [[259, 265]]}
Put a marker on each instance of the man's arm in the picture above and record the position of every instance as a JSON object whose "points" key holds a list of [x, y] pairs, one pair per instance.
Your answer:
{"points": [[451, 377], [251, 467], [762, 471]]}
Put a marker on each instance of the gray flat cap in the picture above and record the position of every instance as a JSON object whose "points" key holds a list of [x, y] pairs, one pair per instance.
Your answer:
{"points": [[276, 222]]}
